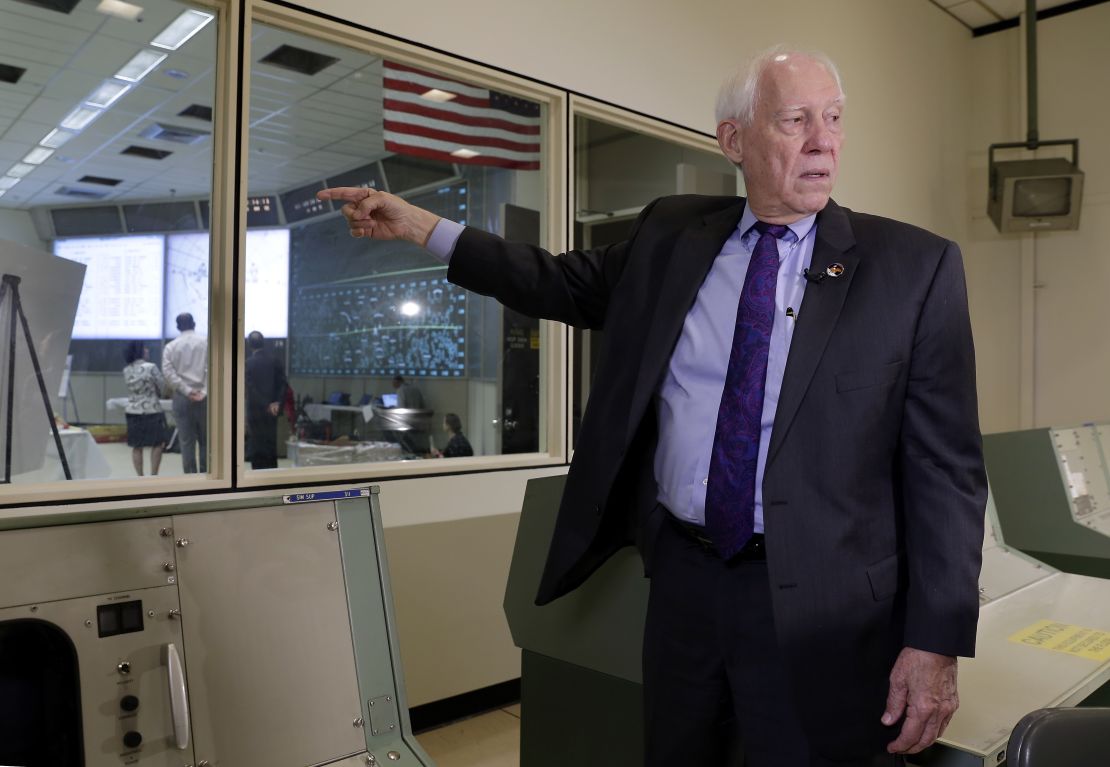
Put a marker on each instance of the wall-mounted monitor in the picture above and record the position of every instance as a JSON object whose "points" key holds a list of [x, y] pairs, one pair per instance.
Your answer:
{"points": [[266, 280], [122, 293], [1035, 195]]}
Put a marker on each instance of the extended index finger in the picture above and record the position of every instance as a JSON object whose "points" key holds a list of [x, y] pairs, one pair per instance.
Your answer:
{"points": [[345, 193]]}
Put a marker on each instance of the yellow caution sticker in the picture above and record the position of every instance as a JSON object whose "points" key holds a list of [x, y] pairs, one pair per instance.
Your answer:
{"points": [[1092, 644]]}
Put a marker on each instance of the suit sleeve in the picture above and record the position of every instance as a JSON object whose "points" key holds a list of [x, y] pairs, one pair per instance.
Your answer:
{"points": [[944, 483], [572, 288]]}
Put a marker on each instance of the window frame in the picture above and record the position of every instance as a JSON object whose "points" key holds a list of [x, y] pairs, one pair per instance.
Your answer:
{"points": [[221, 232], [592, 109], [553, 335]]}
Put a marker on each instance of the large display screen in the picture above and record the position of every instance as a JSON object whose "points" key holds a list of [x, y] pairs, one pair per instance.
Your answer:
{"points": [[122, 294], [266, 279]]}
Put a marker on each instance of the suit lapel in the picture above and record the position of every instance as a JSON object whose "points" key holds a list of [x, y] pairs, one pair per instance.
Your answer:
{"points": [[817, 317], [694, 251]]}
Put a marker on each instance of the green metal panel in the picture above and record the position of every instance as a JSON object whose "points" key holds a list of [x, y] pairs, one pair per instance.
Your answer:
{"points": [[377, 660], [1033, 504], [600, 624], [572, 715]]}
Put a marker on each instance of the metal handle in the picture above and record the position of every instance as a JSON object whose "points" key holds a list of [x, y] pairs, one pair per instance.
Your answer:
{"points": [[179, 702]]}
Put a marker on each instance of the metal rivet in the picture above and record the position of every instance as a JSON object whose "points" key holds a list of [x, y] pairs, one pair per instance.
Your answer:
{"points": [[165, 532], [394, 755], [359, 722], [149, 614], [182, 542], [88, 623], [34, 608], [333, 526]]}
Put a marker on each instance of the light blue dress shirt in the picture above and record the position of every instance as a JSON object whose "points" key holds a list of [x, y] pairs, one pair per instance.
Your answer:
{"points": [[689, 395]]}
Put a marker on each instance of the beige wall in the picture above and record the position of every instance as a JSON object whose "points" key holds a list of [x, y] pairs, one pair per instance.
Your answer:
{"points": [[1060, 379]]}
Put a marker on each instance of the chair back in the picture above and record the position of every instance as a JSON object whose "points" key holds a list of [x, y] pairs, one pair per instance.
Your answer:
{"points": [[1060, 737]]}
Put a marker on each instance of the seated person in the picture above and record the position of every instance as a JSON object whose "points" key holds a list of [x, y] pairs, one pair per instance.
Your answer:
{"points": [[457, 445]]}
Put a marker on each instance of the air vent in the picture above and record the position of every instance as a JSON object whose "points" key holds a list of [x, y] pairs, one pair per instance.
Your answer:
{"points": [[174, 133], [10, 74], [99, 180], [84, 194], [61, 6], [147, 152], [299, 60], [197, 111]]}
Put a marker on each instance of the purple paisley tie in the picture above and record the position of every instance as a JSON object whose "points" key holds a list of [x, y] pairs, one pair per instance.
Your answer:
{"points": [[730, 493]]}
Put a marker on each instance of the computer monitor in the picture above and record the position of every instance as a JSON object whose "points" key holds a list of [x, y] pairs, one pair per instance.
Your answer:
{"points": [[389, 400]]}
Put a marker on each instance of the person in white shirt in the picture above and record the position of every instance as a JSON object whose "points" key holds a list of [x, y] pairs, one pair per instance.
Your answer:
{"points": [[185, 366]]}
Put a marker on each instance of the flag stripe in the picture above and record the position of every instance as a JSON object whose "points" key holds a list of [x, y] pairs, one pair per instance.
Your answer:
{"points": [[450, 146], [460, 139], [431, 80], [418, 89], [434, 154], [407, 102], [464, 130]]}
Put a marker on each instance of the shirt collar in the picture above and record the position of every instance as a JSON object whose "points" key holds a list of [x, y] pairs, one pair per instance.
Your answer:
{"points": [[800, 228]]}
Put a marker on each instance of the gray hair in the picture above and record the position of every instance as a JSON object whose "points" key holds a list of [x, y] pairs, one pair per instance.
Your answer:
{"points": [[740, 92]]}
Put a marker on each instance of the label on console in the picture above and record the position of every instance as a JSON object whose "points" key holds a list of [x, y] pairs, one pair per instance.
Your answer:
{"points": [[326, 495]]}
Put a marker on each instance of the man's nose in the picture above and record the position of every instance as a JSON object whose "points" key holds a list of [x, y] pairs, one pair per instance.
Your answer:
{"points": [[821, 139]]}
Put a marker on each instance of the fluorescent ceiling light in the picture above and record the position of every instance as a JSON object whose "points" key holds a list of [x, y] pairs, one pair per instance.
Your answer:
{"points": [[20, 169], [106, 95], [120, 9], [410, 308], [140, 66], [38, 155], [435, 94], [465, 154], [3, 192], [181, 29], [56, 138], [7, 182], [80, 118]]}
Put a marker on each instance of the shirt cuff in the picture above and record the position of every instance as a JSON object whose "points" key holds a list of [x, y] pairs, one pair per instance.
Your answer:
{"points": [[441, 243]]}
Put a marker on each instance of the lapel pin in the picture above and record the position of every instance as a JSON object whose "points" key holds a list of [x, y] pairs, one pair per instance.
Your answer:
{"points": [[834, 269]]}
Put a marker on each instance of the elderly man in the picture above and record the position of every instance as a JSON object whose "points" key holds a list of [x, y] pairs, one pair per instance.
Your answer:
{"points": [[784, 420]]}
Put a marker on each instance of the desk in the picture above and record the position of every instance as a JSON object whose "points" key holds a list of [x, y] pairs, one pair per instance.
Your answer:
{"points": [[83, 454], [320, 412]]}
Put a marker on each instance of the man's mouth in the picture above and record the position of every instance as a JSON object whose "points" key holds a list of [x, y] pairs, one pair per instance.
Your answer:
{"points": [[813, 175]]}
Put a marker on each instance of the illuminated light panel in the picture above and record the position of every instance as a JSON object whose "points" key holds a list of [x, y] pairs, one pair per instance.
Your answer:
{"points": [[106, 95], [435, 94], [410, 308], [20, 169], [7, 182], [38, 156], [465, 154], [120, 9], [56, 138], [80, 118], [140, 65], [181, 29], [3, 192]]}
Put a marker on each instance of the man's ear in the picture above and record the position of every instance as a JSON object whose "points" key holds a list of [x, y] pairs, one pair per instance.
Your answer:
{"points": [[728, 137]]}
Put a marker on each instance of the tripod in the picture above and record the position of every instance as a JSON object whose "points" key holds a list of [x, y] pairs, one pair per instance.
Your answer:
{"points": [[10, 287]]}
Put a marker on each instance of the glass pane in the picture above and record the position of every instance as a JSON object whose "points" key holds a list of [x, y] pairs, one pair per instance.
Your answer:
{"points": [[106, 151], [617, 172], [361, 351]]}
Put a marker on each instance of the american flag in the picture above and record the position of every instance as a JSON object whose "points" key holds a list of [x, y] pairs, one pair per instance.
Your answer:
{"points": [[476, 127]]}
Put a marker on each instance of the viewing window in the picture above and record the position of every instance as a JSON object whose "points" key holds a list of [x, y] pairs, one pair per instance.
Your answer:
{"points": [[361, 351], [106, 172], [617, 171]]}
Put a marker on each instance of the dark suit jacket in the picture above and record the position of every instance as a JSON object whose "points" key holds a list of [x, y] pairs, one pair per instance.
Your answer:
{"points": [[874, 488]]}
